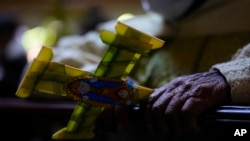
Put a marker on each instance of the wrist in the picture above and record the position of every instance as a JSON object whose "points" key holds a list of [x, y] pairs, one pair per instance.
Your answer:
{"points": [[226, 86]]}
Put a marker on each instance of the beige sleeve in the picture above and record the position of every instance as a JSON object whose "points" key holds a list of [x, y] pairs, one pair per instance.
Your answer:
{"points": [[237, 74]]}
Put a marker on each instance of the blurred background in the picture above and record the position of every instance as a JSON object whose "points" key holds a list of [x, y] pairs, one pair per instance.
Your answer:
{"points": [[67, 25], [26, 25], [56, 18], [33, 13]]}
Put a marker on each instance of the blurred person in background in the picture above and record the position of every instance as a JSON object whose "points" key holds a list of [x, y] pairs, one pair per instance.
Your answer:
{"points": [[12, 55], [203, 64]]}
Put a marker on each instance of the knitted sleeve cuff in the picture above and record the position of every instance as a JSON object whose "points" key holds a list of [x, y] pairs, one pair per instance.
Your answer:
{"points": [[237, 74]]}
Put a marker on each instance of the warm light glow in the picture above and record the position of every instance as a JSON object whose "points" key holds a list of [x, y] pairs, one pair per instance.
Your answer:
{"points": [[33, 52], [125, 16], [35, 38]]}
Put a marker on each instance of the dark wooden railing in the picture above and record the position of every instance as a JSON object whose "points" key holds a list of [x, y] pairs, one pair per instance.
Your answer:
{"points": [[38, 119]]}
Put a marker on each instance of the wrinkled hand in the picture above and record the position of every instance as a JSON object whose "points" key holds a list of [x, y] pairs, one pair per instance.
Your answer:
{"points": [[176, 106]]}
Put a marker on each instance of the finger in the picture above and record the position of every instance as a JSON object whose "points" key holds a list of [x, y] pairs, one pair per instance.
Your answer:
{"points": [[172, 113], [158, 110], [158, 92], [190, 112], [155, 95], [154, 114]]}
